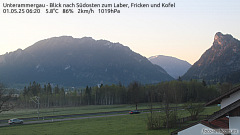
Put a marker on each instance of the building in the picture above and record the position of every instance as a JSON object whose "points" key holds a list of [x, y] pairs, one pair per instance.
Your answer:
{"points": [[226, 121]]}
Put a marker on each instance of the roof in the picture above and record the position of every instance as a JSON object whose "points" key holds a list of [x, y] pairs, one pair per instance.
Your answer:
{"points": [[219, 99], [181, 129], [224, 111], [221, 123]]}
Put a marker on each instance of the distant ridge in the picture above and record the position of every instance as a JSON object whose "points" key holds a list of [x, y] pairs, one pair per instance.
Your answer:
{"points": [[78, 62], [174, 66]]}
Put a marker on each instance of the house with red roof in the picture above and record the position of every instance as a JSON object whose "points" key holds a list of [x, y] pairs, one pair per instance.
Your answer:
{"points": [[226, 121]]}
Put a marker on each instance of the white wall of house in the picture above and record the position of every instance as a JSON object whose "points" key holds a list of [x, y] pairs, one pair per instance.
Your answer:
{"points": [[234, 123], [233, 97], [198, 129]]}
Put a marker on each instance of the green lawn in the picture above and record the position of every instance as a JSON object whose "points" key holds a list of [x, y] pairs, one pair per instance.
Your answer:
{"points": [[116, 125]]}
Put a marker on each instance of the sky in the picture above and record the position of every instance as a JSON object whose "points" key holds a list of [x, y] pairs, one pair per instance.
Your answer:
{"points": [[185, 31]]}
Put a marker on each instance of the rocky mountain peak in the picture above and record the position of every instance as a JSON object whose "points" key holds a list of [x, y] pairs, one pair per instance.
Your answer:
{"points": [[220, 63], [224, 43], [218, 35], [222, 40]]}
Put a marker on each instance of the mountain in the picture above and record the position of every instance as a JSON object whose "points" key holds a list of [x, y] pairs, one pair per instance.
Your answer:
{"points": [[174, 67], [78, 62], [220, 63]]}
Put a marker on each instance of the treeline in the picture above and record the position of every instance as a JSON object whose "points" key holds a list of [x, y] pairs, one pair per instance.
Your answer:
{"points": [[177, 92]]}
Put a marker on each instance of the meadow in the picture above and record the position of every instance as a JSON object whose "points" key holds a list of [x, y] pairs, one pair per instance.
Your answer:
{"points": [[117, 125], [26, 113]]}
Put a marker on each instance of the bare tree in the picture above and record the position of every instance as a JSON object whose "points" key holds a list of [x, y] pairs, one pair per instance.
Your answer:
{"points": [[194, 109], [5, 96], [36, 101], [134, 93], [169, 96]]}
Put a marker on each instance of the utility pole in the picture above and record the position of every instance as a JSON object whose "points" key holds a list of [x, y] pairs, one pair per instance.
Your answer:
{"points": [[36, 101]]}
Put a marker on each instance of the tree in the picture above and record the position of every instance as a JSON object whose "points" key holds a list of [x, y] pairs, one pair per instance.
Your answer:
{"points": [[37, 102], [166, 103], [194, 109], [179, 79], [204, 83], [49, 93], [5, 97], [62, 97], [168, 94], [134, 93], [88, 92], [224, 87], [154, 119]]}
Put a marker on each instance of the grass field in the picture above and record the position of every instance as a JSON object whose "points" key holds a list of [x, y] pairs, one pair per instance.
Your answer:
{"points": [[116, 125]]}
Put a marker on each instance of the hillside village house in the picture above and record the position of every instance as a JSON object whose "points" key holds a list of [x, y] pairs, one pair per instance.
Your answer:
{"points": [[226, 121]]}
